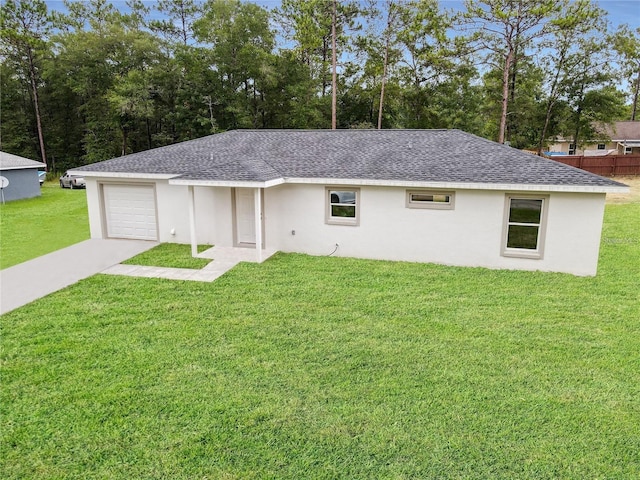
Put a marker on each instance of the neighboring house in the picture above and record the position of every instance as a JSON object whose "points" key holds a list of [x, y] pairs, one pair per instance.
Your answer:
{"points": [[441, 196], [20, 177], [621, 138]]}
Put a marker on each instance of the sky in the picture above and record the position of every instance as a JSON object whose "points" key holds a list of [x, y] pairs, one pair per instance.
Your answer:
{"points": [[620, 11]]}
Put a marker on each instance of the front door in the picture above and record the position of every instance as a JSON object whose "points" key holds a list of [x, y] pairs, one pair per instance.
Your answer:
{"points": [[245, 216]]}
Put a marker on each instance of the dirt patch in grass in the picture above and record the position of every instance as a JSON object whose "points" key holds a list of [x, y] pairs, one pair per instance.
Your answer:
{"points": [[632, 197]]}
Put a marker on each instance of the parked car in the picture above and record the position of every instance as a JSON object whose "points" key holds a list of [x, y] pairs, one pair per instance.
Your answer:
{"points": [[42, 177], [72, 181]]}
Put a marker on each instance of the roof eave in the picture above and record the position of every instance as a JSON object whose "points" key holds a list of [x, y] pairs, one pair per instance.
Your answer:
{"points": [[22, 167], [464, 185], [226, 183], [130, 175], [175, 179]]}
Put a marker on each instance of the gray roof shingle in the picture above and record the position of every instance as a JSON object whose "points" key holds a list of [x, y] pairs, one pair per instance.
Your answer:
{"points": [[620, 131], [394, 155], [9, 161]]}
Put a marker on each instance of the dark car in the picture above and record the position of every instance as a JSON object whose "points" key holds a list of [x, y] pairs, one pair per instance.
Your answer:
{"points": [[72, 181]]}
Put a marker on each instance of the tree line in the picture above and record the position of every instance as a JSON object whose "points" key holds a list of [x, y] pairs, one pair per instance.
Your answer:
{"points": [[95, 82]]}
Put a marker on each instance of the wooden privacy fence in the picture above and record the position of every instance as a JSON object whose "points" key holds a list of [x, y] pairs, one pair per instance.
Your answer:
{"points": [[606, 165]]}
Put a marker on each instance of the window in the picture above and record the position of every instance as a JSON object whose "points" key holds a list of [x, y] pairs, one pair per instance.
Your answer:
{"points": [[601, 146], [342, 206], [572, 149], [627, 150], [524, 226], [429, 199]]}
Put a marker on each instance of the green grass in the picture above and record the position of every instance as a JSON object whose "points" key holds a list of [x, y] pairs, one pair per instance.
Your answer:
{"points": [[170, 255], [323, 367], [36, 226]]}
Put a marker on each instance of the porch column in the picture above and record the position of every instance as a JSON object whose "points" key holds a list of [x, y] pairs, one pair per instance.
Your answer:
{"points": [[258, 209], [192, 222]]}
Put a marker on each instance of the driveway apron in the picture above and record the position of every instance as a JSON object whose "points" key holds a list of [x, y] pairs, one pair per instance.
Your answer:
{"points": [[28, 281]]}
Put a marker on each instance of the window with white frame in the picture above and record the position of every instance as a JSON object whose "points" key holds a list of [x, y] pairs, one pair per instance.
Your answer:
{"points": [[524, 226], [602, 146], [430, 199], [627, 150], [342, 206]]}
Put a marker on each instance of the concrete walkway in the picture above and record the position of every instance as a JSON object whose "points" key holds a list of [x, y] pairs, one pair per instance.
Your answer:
{"points": [[224, 259], [28, 281]]}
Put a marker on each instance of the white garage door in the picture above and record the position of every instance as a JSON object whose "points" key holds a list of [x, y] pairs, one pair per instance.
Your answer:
{"points": [[130, 211]]}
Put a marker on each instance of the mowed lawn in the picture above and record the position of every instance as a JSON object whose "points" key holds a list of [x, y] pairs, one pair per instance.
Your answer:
{"points": [[323, 367], [36, 226]]}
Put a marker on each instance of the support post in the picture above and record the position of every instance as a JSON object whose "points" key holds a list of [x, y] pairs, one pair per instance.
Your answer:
{"points": [[258, 209], [192, 222]]}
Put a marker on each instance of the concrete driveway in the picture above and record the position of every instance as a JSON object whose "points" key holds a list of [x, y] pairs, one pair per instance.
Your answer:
{"points": [[41, 276]]}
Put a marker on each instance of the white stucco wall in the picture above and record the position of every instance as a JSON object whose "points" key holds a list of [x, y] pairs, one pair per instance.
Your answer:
{"points": [[468, 235], [214, 219], [212, 206], [94, 208], [213, 214]]}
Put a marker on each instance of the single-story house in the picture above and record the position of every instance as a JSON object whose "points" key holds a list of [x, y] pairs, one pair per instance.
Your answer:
{"points": [[19, 177], [620, 138], [442, 196]]}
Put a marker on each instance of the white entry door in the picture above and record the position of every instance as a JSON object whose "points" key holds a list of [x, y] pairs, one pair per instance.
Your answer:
{"points": [[130, 211], [245, 216]]}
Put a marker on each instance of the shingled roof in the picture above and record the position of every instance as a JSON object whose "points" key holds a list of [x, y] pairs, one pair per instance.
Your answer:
{"points": [[9, 161], [621, 131], [430, 156]]}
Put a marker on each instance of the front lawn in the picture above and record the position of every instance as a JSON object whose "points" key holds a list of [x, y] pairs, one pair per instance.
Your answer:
{"points": [[36, 226], [323, 367], [171, 255]]}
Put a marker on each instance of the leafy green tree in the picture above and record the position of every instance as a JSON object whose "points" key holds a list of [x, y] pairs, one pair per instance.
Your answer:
{"points": [[429, 60], [591, 95], [505, 29], [308, 25], [392, 21], [334, 63], [376, 55], [180, 17], [60, 106], [130, 99], [181, 86], [291, 100], [380, 47], [459, 101], [109, 82], [582, 22], [24, 28], [241, 55], [16, 125], [98, 64], [595, 108], [626, 43]]}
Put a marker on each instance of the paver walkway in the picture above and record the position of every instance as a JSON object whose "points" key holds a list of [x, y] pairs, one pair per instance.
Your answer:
{"points": [[224, 259], [28, 281]]}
